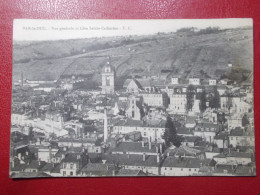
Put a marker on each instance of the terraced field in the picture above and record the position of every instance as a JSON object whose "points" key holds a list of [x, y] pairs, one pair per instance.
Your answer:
{"points": [[182, 55]]}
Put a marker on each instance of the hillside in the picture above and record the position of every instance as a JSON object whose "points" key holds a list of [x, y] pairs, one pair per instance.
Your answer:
{"points": [[205, 55]]}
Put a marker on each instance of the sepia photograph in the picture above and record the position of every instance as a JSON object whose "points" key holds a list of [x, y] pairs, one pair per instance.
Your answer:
{"points": [[120, 98]]}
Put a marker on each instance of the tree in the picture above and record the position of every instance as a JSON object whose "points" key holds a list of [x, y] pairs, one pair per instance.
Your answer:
{"points": [[229, 103], [222, 119], [190, 97], [245, 121], [170, 135], [203, 100], [214, 101]]}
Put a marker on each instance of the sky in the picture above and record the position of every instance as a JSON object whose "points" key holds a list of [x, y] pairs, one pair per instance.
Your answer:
{"points": [[41, 30]]}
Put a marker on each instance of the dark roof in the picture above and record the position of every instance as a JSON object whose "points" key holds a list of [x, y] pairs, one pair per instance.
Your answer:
{"points": [[243, 170], [72, 157], [98, 169], [191, 138], [171, 161], [34, 164], [56, 169], [130, 172], [223, 168], [18, 167], [138, 123], [29, 175], [234, 154], [134, 147], [48, 167], [131, 160], [221, 136], [184, 130], [238, 131], [207, 125]]}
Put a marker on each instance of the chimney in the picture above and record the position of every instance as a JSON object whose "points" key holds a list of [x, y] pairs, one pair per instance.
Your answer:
{"points": [[143, 156], [237, 149], [158, 158], [168, 154], [39, 162], [113, 173], [150, 145], [161, 151], [142, 143], [104, 161], [26, 153], [62, 156], [64, 149], [78, 157], [200, 164]]}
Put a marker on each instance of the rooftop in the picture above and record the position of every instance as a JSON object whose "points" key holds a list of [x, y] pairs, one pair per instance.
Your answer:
{"points": [[182, 162]]}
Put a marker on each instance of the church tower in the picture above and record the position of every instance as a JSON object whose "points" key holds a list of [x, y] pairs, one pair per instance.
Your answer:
{"points": [[108, 79]]}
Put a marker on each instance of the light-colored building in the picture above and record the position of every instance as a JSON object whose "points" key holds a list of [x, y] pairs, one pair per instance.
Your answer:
{"points": [[155, 99], [194, 81], [108, 79], [240, 137], [206, 131], [46, 153], [174, 80], [178, 103], [152, 132], [180, 166], [212, 81], [133, 111]]}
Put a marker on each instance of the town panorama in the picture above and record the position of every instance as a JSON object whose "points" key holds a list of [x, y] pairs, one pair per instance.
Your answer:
{"points": [[169, 104]]}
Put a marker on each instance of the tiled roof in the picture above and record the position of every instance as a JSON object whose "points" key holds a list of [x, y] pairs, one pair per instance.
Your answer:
{"points": [[234, 154], [182, 162], [224, 168], [98, 169], [130, 172], [72, 157], [29, 175], [48, 167], [131, 160], [238, 131], [134, 147], [34, 164]]}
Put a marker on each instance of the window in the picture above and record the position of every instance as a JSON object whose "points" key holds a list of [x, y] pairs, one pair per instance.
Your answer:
{"points": [[64, 165], [64, 173], [165, 168], [71, 173], [231, 138], [189, 169], [181, 169], [71, 166]]}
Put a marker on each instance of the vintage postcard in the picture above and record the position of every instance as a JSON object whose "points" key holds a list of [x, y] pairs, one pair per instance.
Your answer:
{"points": [[94, 98]]}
